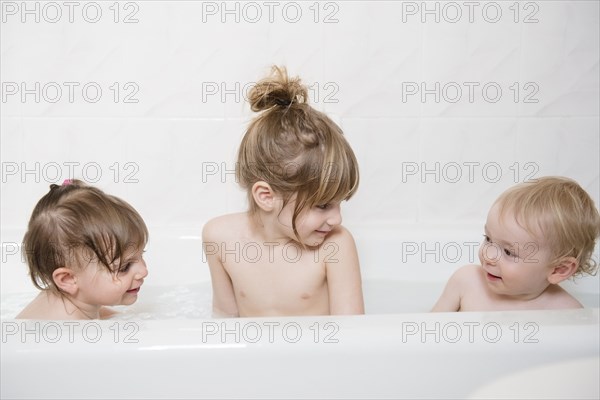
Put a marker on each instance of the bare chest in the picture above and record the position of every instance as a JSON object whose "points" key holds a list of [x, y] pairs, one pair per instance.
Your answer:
{"points": [[268, 275]]}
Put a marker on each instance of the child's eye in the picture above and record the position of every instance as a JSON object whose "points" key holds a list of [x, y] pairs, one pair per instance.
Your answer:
{"points": [[323, 206], [511, 253], [125, 268]]}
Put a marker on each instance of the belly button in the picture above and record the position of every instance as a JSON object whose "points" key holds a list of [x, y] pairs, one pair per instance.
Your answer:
{"points": [[242, 293], [305, 296]]}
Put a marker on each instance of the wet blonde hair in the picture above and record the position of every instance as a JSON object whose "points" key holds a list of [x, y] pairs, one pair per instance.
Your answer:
{"points": [[296, 149], [75, 223], [564, 214]]}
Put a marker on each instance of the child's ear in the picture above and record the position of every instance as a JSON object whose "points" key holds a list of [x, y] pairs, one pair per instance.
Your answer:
{"points": [[65, 279], [263, 196], [563, 270]]}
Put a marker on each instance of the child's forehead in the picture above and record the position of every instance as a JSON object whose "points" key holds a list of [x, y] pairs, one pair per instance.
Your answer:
{"points": [[506, 222]]}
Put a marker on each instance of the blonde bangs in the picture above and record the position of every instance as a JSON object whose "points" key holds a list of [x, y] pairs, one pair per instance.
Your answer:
{"points": [[339, 177]]}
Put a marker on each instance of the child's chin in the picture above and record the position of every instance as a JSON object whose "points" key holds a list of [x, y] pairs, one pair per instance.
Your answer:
{"points": [[314, 242], [493, 286], [128, 302]]}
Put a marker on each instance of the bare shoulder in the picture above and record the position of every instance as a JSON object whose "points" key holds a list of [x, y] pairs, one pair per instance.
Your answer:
{"points": [[467, 279], [463, 277], [344, 282], [559, 298], [339, 247], [459, 285], [467, 273], [220, 228], [340, 235]]}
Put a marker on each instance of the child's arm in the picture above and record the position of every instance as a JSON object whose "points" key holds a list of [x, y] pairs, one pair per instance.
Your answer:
{"points": [[450, 298], [224, 304], [343, 274]]}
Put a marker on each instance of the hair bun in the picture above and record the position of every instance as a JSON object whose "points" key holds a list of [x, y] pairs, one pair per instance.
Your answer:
{"points": [[277, 90]]}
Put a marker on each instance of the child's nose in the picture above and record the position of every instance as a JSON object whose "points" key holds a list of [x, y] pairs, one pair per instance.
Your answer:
{"points": [[491, 252], [335, 216], [142, 271]]}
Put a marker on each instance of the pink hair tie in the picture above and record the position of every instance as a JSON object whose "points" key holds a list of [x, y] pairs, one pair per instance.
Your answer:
{"points": [[67, 182]]}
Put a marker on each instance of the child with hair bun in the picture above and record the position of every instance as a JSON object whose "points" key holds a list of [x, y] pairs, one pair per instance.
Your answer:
{"points": [[537, 234], [288, 254], [84, 251]]}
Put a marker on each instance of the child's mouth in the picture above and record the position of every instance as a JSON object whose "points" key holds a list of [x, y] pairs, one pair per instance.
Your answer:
{"points": [[492, 277], [134, 291]]}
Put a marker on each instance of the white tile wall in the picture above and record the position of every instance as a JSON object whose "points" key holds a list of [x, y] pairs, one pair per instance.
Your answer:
{"points": [[359, 67]]}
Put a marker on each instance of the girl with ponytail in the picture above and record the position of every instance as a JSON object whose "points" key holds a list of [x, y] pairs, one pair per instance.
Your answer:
{"points": [[288, 254]]}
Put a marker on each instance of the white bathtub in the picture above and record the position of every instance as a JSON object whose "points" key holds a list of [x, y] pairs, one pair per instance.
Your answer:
{"points": [[167, 346]]}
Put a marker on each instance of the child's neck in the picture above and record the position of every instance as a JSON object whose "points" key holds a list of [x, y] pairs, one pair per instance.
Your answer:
{"points": [[76, 309], [531, 297], [266, 228]]}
